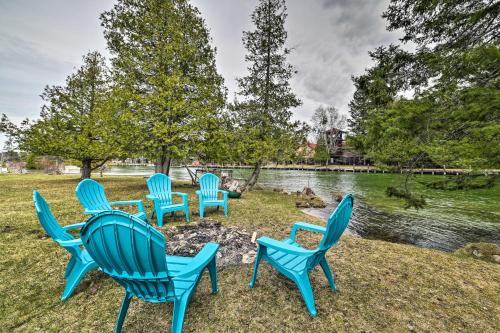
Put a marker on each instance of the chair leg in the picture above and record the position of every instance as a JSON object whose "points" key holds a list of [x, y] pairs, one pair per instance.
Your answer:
{"points": [[123, 312], [70, 266], [258, 258], [307, 294], [180, 306], [328, 272], [225, 209], [201, 211], [77, 273], [212, 269], [186, 211], [159, 218]]}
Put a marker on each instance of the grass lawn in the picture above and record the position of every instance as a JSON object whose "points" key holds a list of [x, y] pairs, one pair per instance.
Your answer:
{"points": [[383, 286]]}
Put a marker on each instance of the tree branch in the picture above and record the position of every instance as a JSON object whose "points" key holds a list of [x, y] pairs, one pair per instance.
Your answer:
{"points": [[100, 164]]}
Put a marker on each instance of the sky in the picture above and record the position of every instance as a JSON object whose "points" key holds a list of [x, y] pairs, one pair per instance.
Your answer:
{"points": [[42, 42]]}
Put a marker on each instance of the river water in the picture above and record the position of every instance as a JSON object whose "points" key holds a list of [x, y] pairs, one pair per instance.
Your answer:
{"points": [[450, 220]]}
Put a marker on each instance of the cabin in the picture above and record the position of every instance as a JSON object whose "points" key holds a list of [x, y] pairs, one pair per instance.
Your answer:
{"points": [[340, 152]]}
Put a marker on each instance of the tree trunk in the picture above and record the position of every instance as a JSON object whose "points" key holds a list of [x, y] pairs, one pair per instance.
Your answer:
{"points": [[252, 180], [86, 168], [163, 165]]}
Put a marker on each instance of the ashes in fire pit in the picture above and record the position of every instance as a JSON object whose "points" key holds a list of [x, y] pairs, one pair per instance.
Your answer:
{"points": [[235, 248]]}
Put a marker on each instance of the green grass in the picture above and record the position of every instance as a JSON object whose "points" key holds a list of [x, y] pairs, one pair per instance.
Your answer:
{"points": [[384, 286]]}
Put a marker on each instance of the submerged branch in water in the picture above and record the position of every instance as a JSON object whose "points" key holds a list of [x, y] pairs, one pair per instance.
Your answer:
{"points": [[411, 200]]}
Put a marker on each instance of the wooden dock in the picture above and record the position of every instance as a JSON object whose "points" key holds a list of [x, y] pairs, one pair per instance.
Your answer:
{"points": [[354, 169]]}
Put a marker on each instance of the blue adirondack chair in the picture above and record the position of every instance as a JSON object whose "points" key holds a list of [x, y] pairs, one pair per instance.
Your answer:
{"points": [[160, 191], [295, 262], [80, 262], [132, 252], [208, 194], [93, 198]]}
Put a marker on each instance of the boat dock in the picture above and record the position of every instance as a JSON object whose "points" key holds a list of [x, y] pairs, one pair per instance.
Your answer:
{"points": [[354, 168]]}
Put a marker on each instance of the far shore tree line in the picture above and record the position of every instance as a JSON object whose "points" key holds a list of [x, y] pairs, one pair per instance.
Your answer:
{"points": [[161, 97], [439, 104]]}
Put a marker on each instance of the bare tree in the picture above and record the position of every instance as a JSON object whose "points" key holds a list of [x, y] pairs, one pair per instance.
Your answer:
{"points": [[328, 123]]}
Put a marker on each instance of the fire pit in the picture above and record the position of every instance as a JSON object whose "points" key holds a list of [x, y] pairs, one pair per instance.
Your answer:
{"points": [[236, 247]]}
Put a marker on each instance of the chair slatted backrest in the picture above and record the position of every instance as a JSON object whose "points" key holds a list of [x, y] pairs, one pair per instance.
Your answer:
{"points": [[209, 185], [92, 196], [160, 185], [130, 251], [47, 220], [337, 222]]}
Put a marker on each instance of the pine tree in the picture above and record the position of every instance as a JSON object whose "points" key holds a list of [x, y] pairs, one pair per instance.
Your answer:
{"points": [[165, 67], [78, 120], [264, 112]]}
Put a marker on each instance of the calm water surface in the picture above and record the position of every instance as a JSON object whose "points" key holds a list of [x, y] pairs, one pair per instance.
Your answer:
{"points": [[450, 220]]}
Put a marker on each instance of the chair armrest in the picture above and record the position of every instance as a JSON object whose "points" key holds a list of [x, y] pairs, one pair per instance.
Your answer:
{"points": [[74, 226], [284, 247], [126, 202], [70, 243], [139, 203], [200, 196], [151, 197], [201, 260], [306, 226]]}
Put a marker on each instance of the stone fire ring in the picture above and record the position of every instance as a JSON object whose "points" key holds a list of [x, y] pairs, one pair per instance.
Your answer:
{"points": [[236, 247]]}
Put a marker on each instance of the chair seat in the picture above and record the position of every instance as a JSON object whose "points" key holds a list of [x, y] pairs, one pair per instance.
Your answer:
{"points": [[288, 261], [175, 265], [213, 202], [172, 207]]}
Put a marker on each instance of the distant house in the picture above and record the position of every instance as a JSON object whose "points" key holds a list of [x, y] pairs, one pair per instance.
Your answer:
{"points": [[340, 153], [311, 146], [307, 151], [131, 161]]}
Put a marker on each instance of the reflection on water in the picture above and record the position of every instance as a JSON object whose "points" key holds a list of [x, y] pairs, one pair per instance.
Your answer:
{"points": [[451, 219]]}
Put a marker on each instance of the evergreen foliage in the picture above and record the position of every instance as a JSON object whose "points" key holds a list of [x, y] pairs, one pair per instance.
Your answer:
{"points": [[264, 127], [440, 105], [78, 120], [164, 66], [321, 154]]}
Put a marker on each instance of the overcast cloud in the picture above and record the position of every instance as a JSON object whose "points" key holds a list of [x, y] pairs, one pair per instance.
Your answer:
{"points": [[41, 42]]}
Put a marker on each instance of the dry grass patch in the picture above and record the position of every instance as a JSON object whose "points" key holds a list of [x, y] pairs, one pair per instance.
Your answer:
{"points": [[383, 286]]}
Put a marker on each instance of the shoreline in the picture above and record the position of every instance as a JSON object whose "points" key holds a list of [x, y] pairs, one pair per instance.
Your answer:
{"points": [[350, 168], [317, 168]]}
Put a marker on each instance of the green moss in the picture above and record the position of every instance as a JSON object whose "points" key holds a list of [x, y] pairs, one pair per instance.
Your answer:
{"points": [[482, 251], [384, 287], [463, 182], [309, 201]]}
